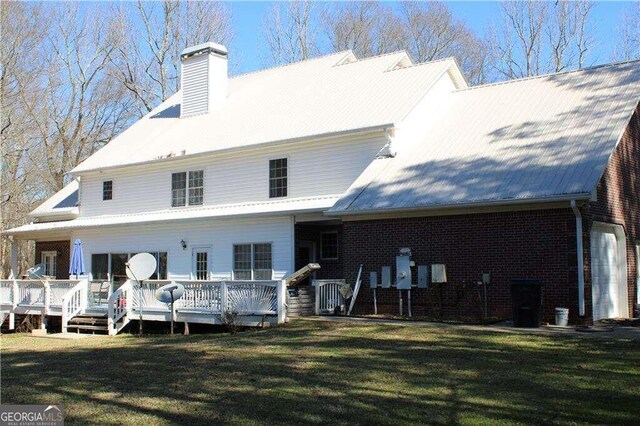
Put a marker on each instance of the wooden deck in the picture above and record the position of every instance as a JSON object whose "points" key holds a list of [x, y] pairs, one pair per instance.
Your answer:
{"points": [[254, 302]]}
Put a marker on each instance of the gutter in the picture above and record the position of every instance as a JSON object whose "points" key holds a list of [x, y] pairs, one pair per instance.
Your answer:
{"points": [[576, 211], [493, 203]]}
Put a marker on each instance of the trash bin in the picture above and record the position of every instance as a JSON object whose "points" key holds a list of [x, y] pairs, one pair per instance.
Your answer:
{"points": [[562, 316], [526, 296]]}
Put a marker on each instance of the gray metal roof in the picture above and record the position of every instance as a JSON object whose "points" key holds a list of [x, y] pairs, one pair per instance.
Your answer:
{"points": [[539, 138]]}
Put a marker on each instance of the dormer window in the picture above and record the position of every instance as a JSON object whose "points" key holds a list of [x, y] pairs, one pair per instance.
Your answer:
{"points": [[187, 188], [107, 190]]}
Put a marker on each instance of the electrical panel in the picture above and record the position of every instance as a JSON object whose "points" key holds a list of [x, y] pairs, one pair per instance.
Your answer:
{"points": [[403, 272], [438, 273], [423, 276], [386, 277], [373, 279]]}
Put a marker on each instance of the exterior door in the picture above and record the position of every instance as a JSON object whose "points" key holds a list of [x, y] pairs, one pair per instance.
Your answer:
{"points": [[305, 254], [201, 263], [49, 260], [608, 278]]}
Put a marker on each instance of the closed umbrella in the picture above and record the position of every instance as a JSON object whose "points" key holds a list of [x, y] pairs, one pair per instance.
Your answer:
{"points": [[77, 260]]}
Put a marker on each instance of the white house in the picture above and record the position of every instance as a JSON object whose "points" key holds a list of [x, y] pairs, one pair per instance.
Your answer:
{"points": [[345, 161], [216, 178]]}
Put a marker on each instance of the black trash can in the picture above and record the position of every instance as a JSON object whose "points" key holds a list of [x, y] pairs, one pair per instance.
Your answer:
{"points": [[526, 296]]}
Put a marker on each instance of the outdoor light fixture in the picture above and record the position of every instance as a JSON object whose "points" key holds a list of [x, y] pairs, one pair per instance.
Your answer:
{"points": [[183, 244]]}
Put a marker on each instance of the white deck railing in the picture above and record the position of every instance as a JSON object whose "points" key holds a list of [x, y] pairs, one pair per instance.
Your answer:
{"points": [[71, 297], [328, 296], [120, 308], [74, 301]]}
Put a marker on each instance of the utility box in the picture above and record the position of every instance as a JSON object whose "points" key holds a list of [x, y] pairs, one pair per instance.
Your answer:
{"points": [[403, 272], [373, 279], [386, 277], [438, 273], [423, 276]]}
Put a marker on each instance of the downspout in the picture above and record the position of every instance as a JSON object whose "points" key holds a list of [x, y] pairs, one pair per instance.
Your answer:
{"points": [[578, 214]]}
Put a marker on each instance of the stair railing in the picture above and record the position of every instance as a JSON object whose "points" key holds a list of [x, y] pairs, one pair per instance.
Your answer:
{"points": [[120, 307], [74, 302]]}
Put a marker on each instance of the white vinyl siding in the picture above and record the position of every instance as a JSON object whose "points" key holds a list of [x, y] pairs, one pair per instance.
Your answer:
{"points": [[245, 177], [220, 235], [195, 86]]}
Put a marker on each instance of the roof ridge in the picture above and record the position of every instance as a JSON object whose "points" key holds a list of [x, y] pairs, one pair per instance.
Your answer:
{"points": [[552, 74], [277, 67]]}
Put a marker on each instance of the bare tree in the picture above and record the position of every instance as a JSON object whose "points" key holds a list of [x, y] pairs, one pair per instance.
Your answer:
{"points": [[80, 108], [152, 35], [627, 44], [291, 32], [23, 30], [536, 37], [367, 28], [431, 32]]}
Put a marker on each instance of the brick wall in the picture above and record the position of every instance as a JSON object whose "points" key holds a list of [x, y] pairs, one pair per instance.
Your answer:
{"points": [[536, 244], [329, 268], [63, 248], [618, 202]]}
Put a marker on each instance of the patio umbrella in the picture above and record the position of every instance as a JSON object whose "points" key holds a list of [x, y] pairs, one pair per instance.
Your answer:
{"points": [[76, 266]]}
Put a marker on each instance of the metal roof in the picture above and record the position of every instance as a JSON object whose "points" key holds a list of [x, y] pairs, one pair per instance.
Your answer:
{"points": [[62, 203], [326, 95], [531, 139], [267, 208]]}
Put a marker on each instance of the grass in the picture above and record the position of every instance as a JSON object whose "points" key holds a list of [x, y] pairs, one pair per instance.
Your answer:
{"points": [[312, 372]]}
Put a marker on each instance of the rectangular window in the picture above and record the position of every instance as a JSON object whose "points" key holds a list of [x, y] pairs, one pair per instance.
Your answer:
{"points": [[49, 262], [100, 266], [112, 266], [252, 261], [191, 183], [178, 189], [107, 190], [278, 178], [329, 245], [196, 188]]}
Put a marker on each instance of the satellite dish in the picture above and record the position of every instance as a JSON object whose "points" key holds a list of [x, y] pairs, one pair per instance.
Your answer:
{"points": [[141, 266], [36, 272], [163, 294]]}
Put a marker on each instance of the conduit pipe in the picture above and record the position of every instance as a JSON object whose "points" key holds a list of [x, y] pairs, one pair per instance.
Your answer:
{"points": [[578, 214]]}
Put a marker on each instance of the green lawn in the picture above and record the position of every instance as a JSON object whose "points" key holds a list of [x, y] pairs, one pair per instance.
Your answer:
{"points": [[311, 372]]}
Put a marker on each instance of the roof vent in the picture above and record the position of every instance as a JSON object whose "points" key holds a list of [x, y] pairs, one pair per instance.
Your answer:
{"points": [[204, 78]]}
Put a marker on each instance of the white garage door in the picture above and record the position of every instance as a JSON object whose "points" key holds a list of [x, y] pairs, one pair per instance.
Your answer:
{"points": [[608, 265]]}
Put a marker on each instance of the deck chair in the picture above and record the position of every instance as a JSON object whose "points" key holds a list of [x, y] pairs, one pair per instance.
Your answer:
{"points": [[100, 292]]}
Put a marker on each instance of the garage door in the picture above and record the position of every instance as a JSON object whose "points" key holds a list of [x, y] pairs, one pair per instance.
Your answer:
{"points": [[608, 264]]}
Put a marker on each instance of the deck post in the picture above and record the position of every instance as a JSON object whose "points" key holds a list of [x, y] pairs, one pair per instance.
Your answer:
{"points": [[14, 259], [12, 321], [224, 304], [47, 296], [186, 328], [317, 286], [281, 289]]}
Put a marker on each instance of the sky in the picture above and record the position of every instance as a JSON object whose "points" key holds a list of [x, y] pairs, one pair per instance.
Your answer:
{"points": [[246, 48]]}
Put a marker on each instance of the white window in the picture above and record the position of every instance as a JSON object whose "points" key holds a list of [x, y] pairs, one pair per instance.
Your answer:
{"points": [[49, 262], [187, 188], [252, 261], [278, 178]]}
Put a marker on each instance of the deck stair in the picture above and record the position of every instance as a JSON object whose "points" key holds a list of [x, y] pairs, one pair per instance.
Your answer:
{"points": [[301, 301], [93, 323]]}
